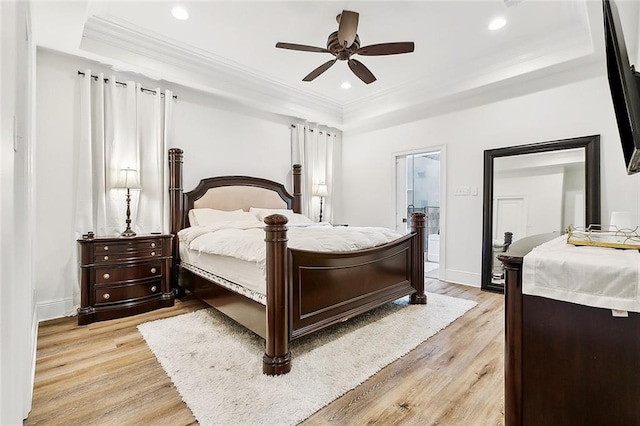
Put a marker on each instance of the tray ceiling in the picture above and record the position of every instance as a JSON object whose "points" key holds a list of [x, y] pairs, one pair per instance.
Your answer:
{"points": [[228, 48]]}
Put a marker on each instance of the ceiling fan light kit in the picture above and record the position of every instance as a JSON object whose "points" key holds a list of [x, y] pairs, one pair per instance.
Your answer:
{"points": [[344, 43]]}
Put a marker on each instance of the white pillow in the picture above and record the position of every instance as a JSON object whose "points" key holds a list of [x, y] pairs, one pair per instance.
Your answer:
{"points": [[291, 216], [207, 217]]}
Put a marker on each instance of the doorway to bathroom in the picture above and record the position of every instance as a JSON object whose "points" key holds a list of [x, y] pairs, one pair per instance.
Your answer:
{"points": [[419, 189]]}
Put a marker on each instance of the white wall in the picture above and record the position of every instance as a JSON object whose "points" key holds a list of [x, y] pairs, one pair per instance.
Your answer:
{"points": [[18, 325], [538, 189], [579, 109], [573, 197], [218, 137]]}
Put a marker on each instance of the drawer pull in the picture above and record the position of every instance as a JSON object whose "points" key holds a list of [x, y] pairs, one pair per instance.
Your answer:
{"points": [[106, 296], [153, 244], [106, 276], [153, 253], [106, 258], [153, 289], [106, 248], [153, 270]]}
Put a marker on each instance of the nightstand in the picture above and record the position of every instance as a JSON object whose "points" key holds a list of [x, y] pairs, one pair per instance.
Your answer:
{"points": [[122, 276]]}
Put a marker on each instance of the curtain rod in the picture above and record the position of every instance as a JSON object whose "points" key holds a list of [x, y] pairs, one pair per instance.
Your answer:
{"points": [[311, 130], [142, 89]]}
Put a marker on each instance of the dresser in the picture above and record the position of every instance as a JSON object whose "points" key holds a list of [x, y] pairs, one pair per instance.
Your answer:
{"points": [[566, 363], [122, 276]]}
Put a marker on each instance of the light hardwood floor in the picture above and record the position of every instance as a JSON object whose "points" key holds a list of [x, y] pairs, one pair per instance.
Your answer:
{"points": [[104, 373]]}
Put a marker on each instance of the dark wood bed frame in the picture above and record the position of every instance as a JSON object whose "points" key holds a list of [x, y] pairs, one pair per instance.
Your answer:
{"points": [[567, 364], [306, 291]]}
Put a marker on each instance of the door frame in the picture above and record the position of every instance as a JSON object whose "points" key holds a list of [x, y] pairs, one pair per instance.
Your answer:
{"points": [[443, 197]]}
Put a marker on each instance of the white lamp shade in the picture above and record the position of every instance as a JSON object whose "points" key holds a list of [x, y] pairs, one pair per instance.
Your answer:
{"points": [[321, 191], [128, 178]]}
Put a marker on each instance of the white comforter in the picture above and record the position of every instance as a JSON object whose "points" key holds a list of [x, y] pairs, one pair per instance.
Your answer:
{"points": [[245, 240]]}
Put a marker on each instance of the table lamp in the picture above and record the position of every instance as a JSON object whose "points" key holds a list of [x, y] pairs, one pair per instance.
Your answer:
{"points": [[321, 191], [128, 178]]}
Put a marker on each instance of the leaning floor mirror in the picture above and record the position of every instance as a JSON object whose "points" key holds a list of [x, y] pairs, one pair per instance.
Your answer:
{"points": [[535, 189]]}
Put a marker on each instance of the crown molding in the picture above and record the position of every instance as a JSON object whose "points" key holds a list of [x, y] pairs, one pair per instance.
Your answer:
{"points": [[575, 45], [566, 73], [165, 59], [185, 65]]}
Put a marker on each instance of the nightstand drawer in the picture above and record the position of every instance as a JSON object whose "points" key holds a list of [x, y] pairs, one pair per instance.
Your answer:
{"points": [[113, 294], [127, 250], [123, 276], [106, 275]]}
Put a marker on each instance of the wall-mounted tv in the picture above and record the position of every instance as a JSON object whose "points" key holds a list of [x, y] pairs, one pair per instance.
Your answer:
{"points": [[624, 83]]}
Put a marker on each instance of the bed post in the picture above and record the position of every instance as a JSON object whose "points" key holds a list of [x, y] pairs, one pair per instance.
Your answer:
{"points": [[176, 210], [417, 272], [277, 358], [297, 190]]}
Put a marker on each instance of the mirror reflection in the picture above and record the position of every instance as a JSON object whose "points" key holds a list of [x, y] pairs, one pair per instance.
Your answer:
{"points": [[535, 189], [533, 194]]}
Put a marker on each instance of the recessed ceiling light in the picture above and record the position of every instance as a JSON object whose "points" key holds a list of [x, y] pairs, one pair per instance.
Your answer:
{"points": [[346, 85], [497, 23], [180, 13]]}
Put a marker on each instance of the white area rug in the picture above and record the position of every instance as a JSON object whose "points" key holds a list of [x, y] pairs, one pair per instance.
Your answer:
{"points": [[216, 364]]}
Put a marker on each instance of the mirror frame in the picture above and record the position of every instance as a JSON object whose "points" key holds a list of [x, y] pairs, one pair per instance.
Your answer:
{"points": [[591, 145]]}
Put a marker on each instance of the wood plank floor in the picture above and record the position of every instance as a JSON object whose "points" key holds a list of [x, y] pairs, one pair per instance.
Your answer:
{"points": [[104, 374]]}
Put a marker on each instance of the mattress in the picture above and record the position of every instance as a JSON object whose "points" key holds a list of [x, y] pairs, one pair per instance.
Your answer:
{"points": [[234, 256], [240, 276]]}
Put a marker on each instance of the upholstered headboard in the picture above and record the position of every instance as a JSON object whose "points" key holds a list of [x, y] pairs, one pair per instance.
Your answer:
{"points": [[225, 193], [240, 197], [237, 192]]}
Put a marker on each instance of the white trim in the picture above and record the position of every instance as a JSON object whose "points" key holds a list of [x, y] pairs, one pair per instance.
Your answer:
{"points": [[204, 71], [30, 199], [32, 363], [455, 276], [57, 308]]}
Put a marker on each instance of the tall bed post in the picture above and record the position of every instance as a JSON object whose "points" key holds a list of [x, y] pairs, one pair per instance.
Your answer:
{"points": [[277, 358], [417, 227], [297, 188], [176, 207]]}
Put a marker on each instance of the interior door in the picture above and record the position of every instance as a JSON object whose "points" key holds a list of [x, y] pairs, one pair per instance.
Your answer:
{"points": [[418, 190], [511, 216]]}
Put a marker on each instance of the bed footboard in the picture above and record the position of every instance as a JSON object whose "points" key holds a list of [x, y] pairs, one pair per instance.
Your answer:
{"points": [[307, 291]]}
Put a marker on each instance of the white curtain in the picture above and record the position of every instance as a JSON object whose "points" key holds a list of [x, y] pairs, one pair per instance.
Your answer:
{"points": [[120, 126], [315, 148]]}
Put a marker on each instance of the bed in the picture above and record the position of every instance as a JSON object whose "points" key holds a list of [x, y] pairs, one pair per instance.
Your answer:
{"points": [[305, 290], [566, 363]]}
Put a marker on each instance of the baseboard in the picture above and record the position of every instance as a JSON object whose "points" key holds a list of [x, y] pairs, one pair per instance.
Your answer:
{"points": [[463, 277], [55, 309]]}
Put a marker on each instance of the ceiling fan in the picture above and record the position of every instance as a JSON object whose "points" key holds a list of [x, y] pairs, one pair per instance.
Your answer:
{"points": [[344, 43]]}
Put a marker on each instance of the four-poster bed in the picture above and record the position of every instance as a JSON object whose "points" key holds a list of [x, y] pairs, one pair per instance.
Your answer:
{"points": [[305, 290]]}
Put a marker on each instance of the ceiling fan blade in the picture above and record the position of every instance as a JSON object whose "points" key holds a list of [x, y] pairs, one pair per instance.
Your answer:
{"points": [[347, 28], [361, 71], [302, 47], [386, 49], [322, 68]]}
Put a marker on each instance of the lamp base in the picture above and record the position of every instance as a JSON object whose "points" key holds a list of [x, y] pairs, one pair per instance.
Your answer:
{"points": [[128, 233]]}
